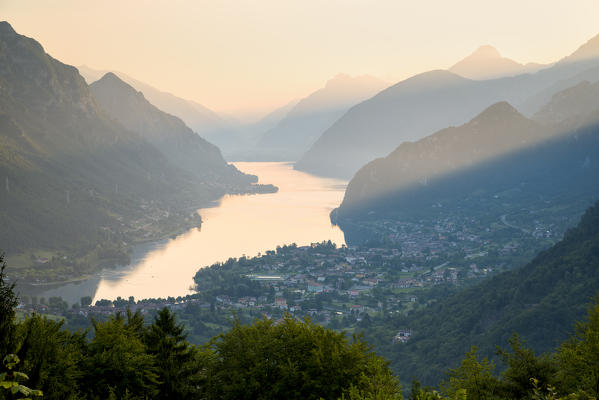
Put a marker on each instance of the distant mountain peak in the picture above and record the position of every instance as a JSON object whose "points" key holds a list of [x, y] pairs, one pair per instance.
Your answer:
{"points": [[430, 79], [112, 78], [116, 84], [338, 80], [501, 109], [587, 51], [342, 79], [486, 51], [435, 75], [578, 104], [6, 28], [110, 75], [486, 63]]}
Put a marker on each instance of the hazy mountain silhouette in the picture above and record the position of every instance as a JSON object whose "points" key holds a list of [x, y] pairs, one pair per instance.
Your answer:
{"points": [[181, 146], [498, 151], [198, 117], [415, 107], [253, 133], [304, 123], [586, 52], [495, 132], [486, 63], [68, 167], [535, 102], [205, 122], [570, 105]]}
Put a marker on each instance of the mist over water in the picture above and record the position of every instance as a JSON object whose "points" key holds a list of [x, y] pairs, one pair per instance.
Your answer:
{"points": [[237, 225]]}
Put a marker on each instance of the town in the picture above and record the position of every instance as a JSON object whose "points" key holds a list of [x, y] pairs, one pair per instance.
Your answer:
{"points": [[336, 286]]}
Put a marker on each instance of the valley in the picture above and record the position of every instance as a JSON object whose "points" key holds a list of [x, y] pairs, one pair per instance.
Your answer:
{"points": [[371, 232]]}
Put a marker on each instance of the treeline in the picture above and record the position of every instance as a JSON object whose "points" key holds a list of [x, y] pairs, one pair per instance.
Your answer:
{"points": [[129, 359]]}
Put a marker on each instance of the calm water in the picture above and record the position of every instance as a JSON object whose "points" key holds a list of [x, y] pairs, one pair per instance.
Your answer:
{"points": [[297, 213]]}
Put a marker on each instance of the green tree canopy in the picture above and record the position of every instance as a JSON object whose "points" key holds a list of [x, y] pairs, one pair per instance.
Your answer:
{"points": [[176, 359], [291, 360], [8, 302], [51, 356], [578, 357], [117, 360], [472, 376]]}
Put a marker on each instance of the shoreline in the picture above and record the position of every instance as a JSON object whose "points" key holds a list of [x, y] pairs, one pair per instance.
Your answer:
{"points": [[99, 266]]}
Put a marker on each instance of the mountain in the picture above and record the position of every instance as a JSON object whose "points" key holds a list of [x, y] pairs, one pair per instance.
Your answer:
{"points": [[425, 103], [498, 164], [570, 104], [541, 301], [179, 144], [583, 60], [541, 98], [497, 131], [73, 176], [495, 164], [199, 118], [270, 120], [252, 133], [585, 53], [302, 125], [487, 63], [406, 111]]}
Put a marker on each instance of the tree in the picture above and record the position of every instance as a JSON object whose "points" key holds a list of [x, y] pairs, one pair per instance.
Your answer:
{"points": [[175, 358], [376, 382], [578, 357], [86, 301], [8, 302], [473, 376], [523, 365], [51, 356], [10, 380], [117, 360], [291, 360], [418, 393]]}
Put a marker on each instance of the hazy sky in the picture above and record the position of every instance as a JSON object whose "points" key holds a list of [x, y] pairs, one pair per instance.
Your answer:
{"points": [[246, 56]]}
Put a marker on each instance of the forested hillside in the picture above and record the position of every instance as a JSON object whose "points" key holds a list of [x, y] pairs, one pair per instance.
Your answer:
{"points": [[181, 146], [75, 181], [499, 163], [540, 301]]}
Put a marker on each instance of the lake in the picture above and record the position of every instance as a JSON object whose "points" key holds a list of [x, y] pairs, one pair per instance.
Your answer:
{"points": [[238, 225]]}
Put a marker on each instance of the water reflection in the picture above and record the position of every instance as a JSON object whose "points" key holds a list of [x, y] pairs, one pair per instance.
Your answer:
{"points": [[238, 225]]}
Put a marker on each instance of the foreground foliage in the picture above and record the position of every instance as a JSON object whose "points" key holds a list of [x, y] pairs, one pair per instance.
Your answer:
{"points": [[127, 359], [292, 360]]}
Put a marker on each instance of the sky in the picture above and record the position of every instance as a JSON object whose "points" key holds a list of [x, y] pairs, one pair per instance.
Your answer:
{"points": [[244, 58]]}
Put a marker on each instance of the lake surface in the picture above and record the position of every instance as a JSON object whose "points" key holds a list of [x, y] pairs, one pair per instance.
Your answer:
{"points": [[238, 225]]}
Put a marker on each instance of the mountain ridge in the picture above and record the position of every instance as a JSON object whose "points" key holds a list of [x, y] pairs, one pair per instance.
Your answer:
{"points": [[74, 176], [487, 63], [202, 120], [301, 126], [169, 134], [496, 131], [425, 103]]}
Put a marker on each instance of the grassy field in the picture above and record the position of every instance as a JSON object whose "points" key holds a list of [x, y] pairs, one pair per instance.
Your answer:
{"points": [[28, 258]]}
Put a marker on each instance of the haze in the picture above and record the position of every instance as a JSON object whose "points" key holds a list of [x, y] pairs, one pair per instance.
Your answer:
{"points": [[244, 58]]}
